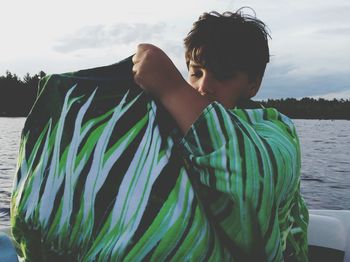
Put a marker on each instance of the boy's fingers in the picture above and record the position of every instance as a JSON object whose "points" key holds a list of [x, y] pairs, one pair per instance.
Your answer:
{"points": [[135, 58], [141, 48], [135, 69], [136, 74]]}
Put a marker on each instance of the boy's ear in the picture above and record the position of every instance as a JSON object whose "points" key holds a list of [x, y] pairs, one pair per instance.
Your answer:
{"points": [[254, 86]]}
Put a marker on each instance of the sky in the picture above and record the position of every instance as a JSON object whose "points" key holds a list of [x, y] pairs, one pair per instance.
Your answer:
{"points": [[309, 47]]}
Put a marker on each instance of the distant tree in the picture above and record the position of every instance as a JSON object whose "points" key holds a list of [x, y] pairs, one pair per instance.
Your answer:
{"points": [[310, 108], [18, 96], [42, 74], [27, 78]]}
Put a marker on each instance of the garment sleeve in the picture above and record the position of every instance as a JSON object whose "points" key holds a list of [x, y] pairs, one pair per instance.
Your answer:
{"points": [[251, 159]]}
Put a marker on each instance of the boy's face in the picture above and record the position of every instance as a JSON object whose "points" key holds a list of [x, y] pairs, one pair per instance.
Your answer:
{"points": [[227, 92]]}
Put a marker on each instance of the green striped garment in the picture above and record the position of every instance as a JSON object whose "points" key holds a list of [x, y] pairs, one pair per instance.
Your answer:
{"points": [[103, 175]]}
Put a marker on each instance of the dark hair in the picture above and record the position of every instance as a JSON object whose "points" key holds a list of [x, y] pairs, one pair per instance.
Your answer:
{"points": [[227, 43]]}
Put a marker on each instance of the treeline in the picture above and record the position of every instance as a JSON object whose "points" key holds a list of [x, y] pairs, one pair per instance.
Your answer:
{"points": [[310, 108], [17, 96]]}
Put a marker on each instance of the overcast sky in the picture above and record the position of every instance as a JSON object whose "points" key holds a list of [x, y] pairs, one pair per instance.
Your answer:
{"points": [[309, 48]]}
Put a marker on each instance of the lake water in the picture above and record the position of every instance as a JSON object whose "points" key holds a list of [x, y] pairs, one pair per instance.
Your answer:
{"points": [[325, 146]]}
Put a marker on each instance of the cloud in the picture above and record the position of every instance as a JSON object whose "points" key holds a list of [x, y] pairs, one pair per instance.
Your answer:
{"points": [[99, 36]]}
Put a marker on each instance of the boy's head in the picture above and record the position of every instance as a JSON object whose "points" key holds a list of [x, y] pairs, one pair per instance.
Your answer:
{"points": [[228, 45]]}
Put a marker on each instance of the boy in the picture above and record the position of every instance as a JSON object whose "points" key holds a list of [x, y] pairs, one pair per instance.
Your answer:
{"points": [[244, 160]]}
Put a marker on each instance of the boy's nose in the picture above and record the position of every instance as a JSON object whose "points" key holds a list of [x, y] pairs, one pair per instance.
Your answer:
{"points": [[204, 86]]}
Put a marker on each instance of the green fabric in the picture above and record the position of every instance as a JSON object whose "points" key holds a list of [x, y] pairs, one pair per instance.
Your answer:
{"points": [[103, 176], [248, 165]]}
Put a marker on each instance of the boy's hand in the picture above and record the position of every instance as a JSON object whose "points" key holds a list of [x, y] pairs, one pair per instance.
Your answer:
{"points": [[155, 72]]}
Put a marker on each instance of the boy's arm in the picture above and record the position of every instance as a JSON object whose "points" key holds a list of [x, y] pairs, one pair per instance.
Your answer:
{"points": [[185, 105], [155, 72]]}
